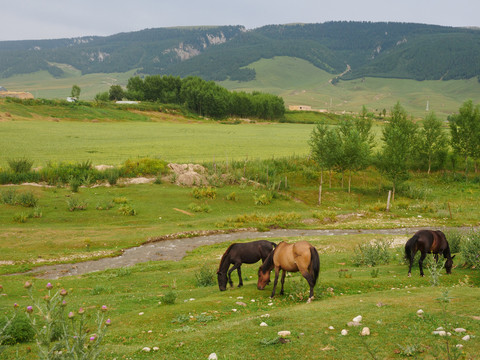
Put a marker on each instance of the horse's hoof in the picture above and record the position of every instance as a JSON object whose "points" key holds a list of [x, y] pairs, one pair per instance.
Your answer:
{"points": [[409, 275], [309, 300], [240, 285]]}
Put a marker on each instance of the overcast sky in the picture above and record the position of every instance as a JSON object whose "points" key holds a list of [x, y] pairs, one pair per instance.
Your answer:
{"points": [[54, 19]]}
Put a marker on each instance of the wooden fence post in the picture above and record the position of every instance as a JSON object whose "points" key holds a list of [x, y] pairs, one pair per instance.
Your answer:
{"points": [[388, 199]]}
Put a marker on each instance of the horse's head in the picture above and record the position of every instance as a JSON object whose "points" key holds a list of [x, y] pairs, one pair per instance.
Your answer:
{"points": [[222, 280], [449, 265], [263, 278]]}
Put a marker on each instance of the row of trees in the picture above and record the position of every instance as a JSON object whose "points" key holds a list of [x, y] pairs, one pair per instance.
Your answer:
{"points": [[205, 98], [349, 146]]}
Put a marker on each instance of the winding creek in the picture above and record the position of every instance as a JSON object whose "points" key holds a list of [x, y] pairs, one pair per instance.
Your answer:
{"points": [[176, 249]]}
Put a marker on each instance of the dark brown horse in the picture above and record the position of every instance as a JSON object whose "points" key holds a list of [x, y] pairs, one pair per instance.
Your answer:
{"points": [[239, 253], [431, 242], [300, 256]]}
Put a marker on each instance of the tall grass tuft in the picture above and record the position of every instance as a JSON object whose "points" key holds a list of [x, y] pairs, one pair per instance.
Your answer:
{"points": [[205, 276], [470, 249], [372, 254]]}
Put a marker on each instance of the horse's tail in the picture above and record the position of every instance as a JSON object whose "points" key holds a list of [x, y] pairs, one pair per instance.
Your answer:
{"points": [[273, 244], [224, 257], [409, 246], [315, 261]]}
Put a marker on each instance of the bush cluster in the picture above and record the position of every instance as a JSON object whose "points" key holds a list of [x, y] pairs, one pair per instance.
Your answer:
{"points": [[372, 254], [470, 249]]}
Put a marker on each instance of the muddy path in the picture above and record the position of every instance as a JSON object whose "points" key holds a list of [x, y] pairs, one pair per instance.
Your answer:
{"points": [[176, 249]]}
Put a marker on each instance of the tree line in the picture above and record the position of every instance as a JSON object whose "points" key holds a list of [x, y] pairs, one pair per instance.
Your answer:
{"points": [[348, 148], [205, 98]]}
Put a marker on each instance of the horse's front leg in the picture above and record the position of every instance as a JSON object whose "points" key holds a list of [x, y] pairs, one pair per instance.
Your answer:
{"points": [[240, 280], [283, 280], [229, 274], [420, 263], [277, 272]]}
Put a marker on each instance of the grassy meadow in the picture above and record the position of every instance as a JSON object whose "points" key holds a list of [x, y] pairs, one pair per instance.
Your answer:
{"points": [[202, 320]]}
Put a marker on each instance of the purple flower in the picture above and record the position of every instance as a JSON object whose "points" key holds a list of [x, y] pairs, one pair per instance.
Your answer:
{"points": [[81, 311], [108, 322], [49, 286], [64, 303], [104, 308], [71, 314], [15, 305], [27, 285], [29, 309], [92, 338], [63, 292]]}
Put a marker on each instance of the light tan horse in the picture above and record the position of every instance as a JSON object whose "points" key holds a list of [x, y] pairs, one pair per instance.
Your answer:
{"points": [[300, 256]]}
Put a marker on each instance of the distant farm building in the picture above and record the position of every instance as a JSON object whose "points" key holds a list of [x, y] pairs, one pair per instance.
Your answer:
{"points": [[2, 88], [300, 107]]}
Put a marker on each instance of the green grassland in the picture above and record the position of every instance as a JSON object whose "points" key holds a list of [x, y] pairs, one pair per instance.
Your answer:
{"points": [[204, 320]]}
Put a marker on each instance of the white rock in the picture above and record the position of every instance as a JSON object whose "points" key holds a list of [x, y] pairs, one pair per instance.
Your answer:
{"points": [[283, 333], [344, 332], [466, 338], [265, 316], [460, 330], [420, 312], [365, 331], [140, 313], [459, 346], [155, 348], [331, 327], [234, 310], [353, 323], [149, 331], [270, 304], [212, 356], [439, 332], [440, 328], [146, 349], [263, 324], [253, 300], [358, 319]]}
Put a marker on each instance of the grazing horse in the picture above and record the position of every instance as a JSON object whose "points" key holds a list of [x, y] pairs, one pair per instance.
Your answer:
{"points": [[428, 241], [300, 256], [239, 253]]}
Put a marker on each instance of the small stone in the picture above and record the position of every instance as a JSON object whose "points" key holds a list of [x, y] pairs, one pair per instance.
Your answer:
{"points": [[265, 316], [466, 338], [353, 323], [234, 310], [212, 356], [253, 300], [284, 333], [365, 331], [270, 304], [440, 332], [263, 324], [146, 349], [149, 331], [240, 303], [459, 346], [344, 332], [420, 312], [331, 327], [440, 328], [140, 313], [155, 348], [460, 330], [358, 319]]}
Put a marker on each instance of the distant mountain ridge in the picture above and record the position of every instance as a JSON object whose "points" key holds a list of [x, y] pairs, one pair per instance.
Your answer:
{"points": [[365, 49]]}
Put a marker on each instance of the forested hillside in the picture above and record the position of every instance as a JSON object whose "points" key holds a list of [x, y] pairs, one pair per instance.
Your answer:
{"points": [[391, 50]]}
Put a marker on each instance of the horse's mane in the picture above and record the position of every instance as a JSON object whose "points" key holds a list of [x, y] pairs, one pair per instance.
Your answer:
{"points": [[224, 257], [268, 263]]}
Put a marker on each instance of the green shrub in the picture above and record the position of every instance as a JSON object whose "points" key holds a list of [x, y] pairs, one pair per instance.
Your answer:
{"points": [[9, 197], [75, 183], [170, 297], [20, 218], [372, 254], [74, 204], [120, 200], [18, 331], [144, 166], [470, 249], [205, 276], [21, 165], [112, 175], [199, 208], [264, 199], [204, 192], [106, 205], [127, 210], [27, 199]]}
